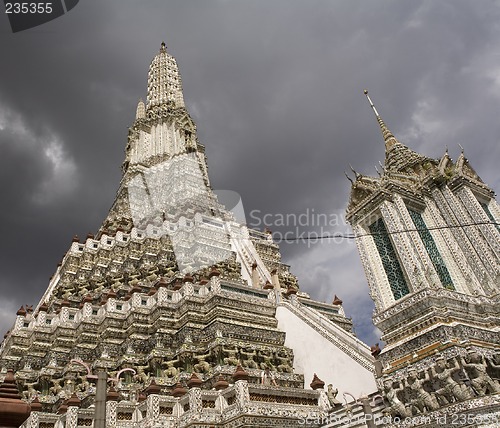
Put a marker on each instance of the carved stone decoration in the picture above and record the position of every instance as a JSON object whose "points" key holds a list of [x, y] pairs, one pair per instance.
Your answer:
{"points": [[33, 421], [421, 400], [331, 394], [396, 406], [480, 380], [449, 389], [72, 417]]}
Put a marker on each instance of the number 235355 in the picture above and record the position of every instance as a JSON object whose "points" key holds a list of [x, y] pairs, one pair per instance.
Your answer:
{"points": [[28, 8]]}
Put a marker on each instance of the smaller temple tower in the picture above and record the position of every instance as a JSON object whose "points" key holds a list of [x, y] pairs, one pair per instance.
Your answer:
{"points": [[428, 233]]}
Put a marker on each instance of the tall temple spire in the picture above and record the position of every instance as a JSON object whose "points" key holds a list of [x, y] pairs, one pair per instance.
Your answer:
{"points": [[162, 150], [398, 157], [389, 137]]}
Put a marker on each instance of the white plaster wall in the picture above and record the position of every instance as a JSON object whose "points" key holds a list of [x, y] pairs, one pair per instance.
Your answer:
{"points": [[313, 353]]}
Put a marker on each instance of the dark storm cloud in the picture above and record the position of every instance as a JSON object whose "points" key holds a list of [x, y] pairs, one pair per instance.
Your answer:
{"points": [[276, 91]]}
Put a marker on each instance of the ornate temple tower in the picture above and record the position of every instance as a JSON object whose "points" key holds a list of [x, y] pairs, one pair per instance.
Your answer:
{"points": [[173, 294], [428, 233]]}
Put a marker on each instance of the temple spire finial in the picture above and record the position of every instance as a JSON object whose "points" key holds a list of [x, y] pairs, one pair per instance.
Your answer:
{"points": [[356, 174], [388, 136], [371, 103]]}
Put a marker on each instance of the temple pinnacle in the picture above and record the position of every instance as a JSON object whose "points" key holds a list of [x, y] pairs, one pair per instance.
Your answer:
{"points": [[388, 136], [164, 82]]}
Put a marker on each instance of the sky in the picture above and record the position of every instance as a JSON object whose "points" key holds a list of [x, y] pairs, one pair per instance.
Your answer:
{"points": [[276, 91]]}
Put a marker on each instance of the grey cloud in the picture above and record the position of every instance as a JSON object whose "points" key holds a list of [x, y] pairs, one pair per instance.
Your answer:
{"points": [[275, 89]]}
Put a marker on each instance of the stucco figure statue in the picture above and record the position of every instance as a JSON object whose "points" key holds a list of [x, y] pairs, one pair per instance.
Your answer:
{"points": [[248, 358], [57, 386], [331, 393], [83, 385], [396, 406], [449, 390], [30, 391], [480, 380], [265, 357], [141, 375], [202, 366], [421, 399], [284, 361], [230, 352], [171, 370]]}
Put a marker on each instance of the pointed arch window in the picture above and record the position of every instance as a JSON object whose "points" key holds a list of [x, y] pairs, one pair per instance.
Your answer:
{"points": [[390, 261], [432, 250]]}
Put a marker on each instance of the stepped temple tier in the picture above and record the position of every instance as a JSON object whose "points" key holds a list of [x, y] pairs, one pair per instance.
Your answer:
{"points": [[175, 314]]}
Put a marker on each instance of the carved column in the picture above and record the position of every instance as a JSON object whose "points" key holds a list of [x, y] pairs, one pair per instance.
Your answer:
{"points": [[33, 420], [111, 414], [195, 404], [153, 406], [242, 394], [215, 284], [72, 417]]}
